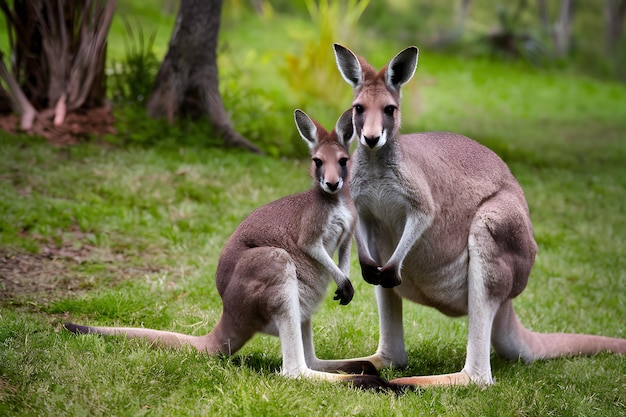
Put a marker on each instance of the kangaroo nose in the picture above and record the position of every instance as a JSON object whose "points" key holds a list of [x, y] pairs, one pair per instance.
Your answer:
{"points": [[332, 186], [372, 141]]}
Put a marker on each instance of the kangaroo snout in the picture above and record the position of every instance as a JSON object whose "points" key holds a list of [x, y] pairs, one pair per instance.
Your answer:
{"points": [[373, 138], [371, 141], [332, 186]]}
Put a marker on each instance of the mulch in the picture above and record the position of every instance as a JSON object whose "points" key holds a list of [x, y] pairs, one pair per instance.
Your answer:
{"points": [[78, 126]]}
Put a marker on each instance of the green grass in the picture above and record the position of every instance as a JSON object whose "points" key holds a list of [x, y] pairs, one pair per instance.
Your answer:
{"points": [[131, 235]]}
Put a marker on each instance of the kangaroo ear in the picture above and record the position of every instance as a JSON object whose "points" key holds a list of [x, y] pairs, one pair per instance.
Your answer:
{"points": [[348, 65], [345, 129], [401, 68], [306, 128]]}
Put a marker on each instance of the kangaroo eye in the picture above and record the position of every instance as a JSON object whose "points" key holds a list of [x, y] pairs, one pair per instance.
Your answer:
{"points": [[359, 109], [389, 110], [318, 162], [343, 162]]}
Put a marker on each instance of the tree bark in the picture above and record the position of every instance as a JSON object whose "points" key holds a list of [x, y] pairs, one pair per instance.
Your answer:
{"points": [[544, 17], [18, 101], [187, 82], [614, 14], [462, 12], [563, 28], [58, 55]]}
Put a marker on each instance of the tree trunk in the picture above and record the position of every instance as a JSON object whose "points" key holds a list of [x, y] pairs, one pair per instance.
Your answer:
{"points": [[563, 28], [462, 13], [544, 17], [16, 99], [614, 14], [187, 82], [58, 56]]}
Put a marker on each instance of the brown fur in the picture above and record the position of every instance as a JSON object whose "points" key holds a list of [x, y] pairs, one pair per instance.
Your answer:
{"points": [[275, 268], [442, 222]]}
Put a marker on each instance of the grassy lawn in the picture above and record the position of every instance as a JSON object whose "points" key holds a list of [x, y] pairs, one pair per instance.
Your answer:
{"points": [[130, 235]]}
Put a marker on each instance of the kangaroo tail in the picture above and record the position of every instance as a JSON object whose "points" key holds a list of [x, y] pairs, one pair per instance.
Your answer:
{"points": [[513, 341], [206, 343]]}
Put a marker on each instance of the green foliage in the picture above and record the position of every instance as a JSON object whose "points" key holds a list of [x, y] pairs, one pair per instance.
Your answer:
{"points": [[259, 112], [407, 21], [135, 127], [133, 78], [513, 39], [311, 72], [156, 19]]}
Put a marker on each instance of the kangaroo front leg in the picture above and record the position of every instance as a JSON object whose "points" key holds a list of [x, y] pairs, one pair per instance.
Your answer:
{"points": [[370, 268], [345, 249], [391, 350], [414, 226], [345, 291]]}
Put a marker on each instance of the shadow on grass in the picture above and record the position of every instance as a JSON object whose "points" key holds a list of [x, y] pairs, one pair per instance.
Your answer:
{"points": [[257, 362]]}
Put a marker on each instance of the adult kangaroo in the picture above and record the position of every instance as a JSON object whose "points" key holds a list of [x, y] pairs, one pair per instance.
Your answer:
{"points": [[441, 222], [275, 268]]}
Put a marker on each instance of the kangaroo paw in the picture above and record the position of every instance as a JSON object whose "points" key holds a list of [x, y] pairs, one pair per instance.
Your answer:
{"points": [[371, 272], [344, 292], [390, 277]]}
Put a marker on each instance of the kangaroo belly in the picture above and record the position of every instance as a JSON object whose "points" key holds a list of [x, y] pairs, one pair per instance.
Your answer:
{"points": [[311, 292], [434, 273], [442, 286]]}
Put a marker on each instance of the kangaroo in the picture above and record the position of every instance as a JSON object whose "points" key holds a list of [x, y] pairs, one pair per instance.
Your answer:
{"points": [[441, 222], [274, 270]]}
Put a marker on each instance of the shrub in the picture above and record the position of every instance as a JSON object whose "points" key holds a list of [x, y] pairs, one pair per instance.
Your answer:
{"points": [[134, 77], [312, 74]]}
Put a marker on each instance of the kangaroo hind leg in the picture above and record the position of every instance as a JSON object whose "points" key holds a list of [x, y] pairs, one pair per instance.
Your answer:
{"points": [[279, 301], [294, 331], [240, 318], [502, 251], [263, 295], [360, 374]]}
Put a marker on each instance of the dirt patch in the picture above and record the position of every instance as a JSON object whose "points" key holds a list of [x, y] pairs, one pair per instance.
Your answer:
{"points": [[28, 275], [56, 271], [39, 278], [77, 127]]}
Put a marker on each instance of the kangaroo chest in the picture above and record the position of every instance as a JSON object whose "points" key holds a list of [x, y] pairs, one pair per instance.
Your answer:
{"points": [[434, 272], [338, 228], [381, 202]]}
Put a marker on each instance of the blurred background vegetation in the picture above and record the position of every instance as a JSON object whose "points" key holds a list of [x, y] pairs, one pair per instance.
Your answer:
{"points": [[275, 56]]}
